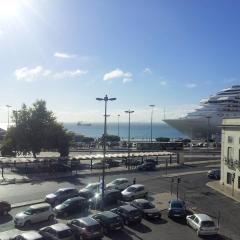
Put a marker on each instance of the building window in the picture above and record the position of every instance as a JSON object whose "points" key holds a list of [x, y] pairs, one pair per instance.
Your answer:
{"points": [[238, 182], [230, 154], [229, 178], [230, 139]]}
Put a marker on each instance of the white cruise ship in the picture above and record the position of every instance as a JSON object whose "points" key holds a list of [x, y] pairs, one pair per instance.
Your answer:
{"points": [[208, 116]]}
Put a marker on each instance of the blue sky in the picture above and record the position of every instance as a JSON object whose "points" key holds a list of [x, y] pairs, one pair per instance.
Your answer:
{"points": [[68, 52]]}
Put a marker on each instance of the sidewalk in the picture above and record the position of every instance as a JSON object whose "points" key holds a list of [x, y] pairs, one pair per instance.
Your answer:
{"points": [[225, 190], [13, 178]]}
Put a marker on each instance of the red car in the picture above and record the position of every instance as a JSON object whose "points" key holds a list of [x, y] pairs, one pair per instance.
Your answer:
{"points": [[5, 207]]}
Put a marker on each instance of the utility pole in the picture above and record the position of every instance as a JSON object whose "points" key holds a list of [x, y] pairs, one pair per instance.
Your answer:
{"points": [[178, 182], [8, 106], [129, 134], [118, 124], [152, 106]]}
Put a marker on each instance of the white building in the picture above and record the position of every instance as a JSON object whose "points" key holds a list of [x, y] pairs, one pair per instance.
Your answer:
{"points": [[230, 154]]}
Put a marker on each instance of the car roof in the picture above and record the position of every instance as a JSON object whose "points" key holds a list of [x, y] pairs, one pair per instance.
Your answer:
{"points": [[137, 185], [40, 205], [59, 227], [31, 235], [120, 179], [75, 199], [177, 201], [88, 221], [108, 214], [65, 189], [141, 200], [203, 217], [128, 207]]}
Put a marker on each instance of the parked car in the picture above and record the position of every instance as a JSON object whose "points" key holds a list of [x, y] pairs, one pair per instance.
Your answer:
{"points": [[110, 197], [113, 163], [58, 231], [150, 160], [109, 221], [147, 208], [72, 205], [61, 195], [34, 214], [58, 167], [147, 166], [134, 191], [86, 228], [130, 214], [214, 173], [99, 165], [29, 235], [202, 223], [91, 189], [177, 209], [5, 207], [119, 183]]}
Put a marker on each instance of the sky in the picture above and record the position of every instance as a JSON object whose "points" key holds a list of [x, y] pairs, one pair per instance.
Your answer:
{"points": [[69, 52]]}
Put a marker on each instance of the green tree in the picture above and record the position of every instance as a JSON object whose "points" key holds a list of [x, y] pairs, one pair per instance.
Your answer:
{"points": [[36, 128]]}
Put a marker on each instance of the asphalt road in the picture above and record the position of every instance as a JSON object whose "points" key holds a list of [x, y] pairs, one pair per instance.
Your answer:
{"points": [[192, 188]]}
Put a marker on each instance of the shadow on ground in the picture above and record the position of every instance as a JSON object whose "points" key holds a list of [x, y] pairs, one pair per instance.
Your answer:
{"points": [[5, 219]]}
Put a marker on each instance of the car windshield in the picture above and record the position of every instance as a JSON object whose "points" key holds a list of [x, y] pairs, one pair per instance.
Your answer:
{"points": [[176, 205], [94, 228], [116, 181], [65, 233], [147, 205], [67, 203], [131, 189], [59, 192], [207, 224]]}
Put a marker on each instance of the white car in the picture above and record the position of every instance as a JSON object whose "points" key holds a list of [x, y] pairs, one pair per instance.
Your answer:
{"points": [[119, 184], [29, 235], [134, 191], [202, 223], [34, 214]]}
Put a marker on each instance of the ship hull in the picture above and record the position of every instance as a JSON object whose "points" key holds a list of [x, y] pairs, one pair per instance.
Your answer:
{"points": [[196, 128]]}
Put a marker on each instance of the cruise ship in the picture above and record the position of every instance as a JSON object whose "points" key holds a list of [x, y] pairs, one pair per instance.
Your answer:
{"points": [[205, 120]]}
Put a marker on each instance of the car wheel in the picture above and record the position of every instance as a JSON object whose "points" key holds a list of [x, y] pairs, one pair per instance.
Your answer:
{"points": [[51, 218], [27, 223]]}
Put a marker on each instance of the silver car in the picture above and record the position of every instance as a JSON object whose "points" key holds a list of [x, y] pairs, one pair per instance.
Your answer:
{"points": [[34, 214], [29, 235], [202, 223]]}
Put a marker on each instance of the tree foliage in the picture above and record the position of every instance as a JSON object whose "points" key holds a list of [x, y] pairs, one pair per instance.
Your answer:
{"points": [[35, 129]]}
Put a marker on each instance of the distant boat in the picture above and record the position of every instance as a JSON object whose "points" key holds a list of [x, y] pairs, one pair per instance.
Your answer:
{"points": [[84, 124]]}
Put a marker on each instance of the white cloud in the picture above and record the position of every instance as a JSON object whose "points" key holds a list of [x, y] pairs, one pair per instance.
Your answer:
{"points": [[64, 55], [34, 74], [117, 73], [191, 85], [163, 83], [67, 73], [1, 32], [147, 70], [125, 80]]}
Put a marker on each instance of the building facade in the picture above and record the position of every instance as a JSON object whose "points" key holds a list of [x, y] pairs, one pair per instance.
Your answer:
{"points": [[230, 154]]}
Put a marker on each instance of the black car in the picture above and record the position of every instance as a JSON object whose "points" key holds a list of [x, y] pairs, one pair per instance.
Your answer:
{"points": [[86, 228], [72, 205], [150, 160], [147, 166], [5, 207], [214, 173], [147, 208], [130, 214], [110, 197], [177, 209], [109, 221]]}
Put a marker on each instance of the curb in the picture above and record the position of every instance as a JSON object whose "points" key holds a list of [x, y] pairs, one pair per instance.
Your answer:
{"points": [[27, 203]]}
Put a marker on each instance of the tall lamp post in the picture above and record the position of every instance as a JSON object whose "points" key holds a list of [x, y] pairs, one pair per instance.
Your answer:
{"points": [[8, 106], [152, 106], [129, 133], [105, 99], [118, 124], [208, 130]]}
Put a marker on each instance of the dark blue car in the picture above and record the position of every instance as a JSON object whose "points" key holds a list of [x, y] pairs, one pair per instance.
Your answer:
{"points": [[177, 209]]}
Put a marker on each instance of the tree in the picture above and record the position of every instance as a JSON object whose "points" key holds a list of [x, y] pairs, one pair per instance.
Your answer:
{"points": [[36, 128]]}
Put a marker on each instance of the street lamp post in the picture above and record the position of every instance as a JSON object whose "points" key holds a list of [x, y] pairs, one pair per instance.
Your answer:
{"points": [[129, 133], [152, 106], [208, 130], [118, 124], [105, 99], [8, 106]]}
